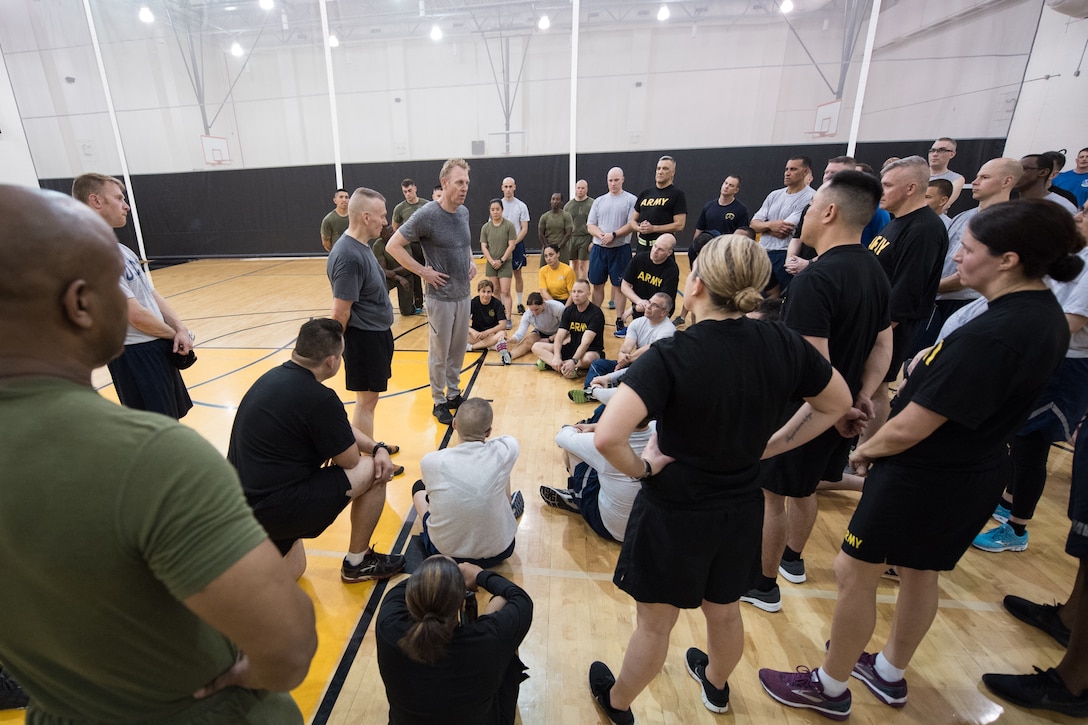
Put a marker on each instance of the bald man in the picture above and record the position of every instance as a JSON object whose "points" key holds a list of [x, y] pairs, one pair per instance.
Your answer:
{"points": [[167, 584], [146, 375], [515, 211], [580, 241]]}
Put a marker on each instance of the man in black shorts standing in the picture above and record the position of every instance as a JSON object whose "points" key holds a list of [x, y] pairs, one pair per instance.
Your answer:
{"points": [[580, 337], [658, 210], [911, 249], [361, 305], [840, 306], [287, 426]]}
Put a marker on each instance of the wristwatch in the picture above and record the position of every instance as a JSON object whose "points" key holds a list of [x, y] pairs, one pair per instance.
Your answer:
{"points": [[649, 471], [381, 444]]}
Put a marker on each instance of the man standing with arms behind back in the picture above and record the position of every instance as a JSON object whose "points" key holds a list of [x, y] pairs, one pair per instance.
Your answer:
{"points": [[411, 204], [515, 211], [580, 240], [145, 375], [173, 605], [660, 210], [335, 222], [442, 228]]}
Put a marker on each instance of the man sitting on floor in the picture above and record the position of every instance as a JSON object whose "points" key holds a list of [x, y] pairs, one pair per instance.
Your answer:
{"points": [[287, 427], [580, 338], [597, 491], [464, 501]]}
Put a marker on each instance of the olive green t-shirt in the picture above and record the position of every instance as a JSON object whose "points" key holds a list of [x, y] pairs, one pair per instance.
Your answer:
{"points": [[403, 210], [497, 238], [579, 212], [333, 226], [109, 518]]}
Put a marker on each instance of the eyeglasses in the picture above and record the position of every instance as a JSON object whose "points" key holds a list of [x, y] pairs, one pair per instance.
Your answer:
{"points": [[655, 305], [940, 151]]}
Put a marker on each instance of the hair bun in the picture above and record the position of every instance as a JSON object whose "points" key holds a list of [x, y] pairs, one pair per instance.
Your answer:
{"points": [[747, 300], [1065, 269]]}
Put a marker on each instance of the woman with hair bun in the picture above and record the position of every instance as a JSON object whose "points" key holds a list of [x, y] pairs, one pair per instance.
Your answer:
{"points": [[938, 466], [693, 537], [442, 664]]}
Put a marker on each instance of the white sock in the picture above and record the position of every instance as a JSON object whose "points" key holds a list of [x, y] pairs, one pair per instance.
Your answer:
{"points": [[355, 559], [832, 687], [519, 298], [886, 669]]}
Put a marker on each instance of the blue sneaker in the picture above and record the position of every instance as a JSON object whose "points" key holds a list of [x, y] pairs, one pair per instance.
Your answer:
{"points": [[1001, 514], [1001, 538]]}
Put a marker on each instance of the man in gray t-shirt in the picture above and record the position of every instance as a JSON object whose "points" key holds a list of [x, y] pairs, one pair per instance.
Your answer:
{"points": [[361, 305], [441, 227]]}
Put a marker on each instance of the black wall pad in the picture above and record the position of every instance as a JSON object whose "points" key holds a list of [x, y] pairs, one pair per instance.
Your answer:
{"points": [[278, 212]]}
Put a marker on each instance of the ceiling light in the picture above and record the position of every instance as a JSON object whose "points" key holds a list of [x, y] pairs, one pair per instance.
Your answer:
{"points": [[663, 13], [334, 42], [544, 23], [786, 6], [436, 32], [146, 15], [236, 50], [267, 4]]}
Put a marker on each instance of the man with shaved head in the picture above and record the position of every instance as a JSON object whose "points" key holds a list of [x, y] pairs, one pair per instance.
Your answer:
{"points": [[138, 585], [515, 211], [145, 375], [580, 241], [609, 223], [911, 249]]}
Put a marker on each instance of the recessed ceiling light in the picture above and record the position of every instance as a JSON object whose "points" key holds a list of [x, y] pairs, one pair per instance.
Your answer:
{"points": [[436, 32], [236, 50], [663, 13], [544, 23], [146, 15]]}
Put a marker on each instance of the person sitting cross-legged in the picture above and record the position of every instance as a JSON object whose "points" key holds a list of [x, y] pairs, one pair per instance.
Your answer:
{"points": [[487, 328], [464, 501], [580, 337]]}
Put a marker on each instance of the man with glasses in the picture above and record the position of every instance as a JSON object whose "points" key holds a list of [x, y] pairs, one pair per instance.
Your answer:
{"points": [[1035, 180], [943, 151]]}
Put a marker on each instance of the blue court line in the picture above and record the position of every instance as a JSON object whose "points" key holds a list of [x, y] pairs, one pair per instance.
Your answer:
{"points": [[339, 677]]}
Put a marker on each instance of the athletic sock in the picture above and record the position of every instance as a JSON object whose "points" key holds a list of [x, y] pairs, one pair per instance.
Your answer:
{"points": [[1018, 529], [832, 687], [767, 583], [356, 559], [791, 555], [519, 298], [886, 669]]}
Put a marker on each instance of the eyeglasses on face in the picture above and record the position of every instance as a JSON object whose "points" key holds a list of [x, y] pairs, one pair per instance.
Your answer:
{"points": [[936, 150]]}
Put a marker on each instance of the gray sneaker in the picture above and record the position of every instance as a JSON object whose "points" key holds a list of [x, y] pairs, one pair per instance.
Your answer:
{"points": [[559, 498], [768, 601], [373, 566], [793, 571]]}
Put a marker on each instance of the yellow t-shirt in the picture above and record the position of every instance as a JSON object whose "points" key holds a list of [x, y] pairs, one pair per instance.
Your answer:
{"points": [[557, 282]]}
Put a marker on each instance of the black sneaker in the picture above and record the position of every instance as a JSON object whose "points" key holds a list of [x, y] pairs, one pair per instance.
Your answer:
{"points": [[559, 498], [398, 471], [715, 700], [793, 571], [1043, 690], [521, 309], [12, 696], [455, 403], [768, 601], [600, 685], [443, 414], [517, 504], [1042, 616], [373, 566]]}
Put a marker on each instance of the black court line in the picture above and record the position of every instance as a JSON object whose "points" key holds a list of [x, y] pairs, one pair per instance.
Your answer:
{"points": [[347, 659]]}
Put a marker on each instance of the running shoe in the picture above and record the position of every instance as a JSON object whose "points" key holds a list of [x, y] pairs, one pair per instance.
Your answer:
{"points": [[1001, 538], [578, 395], [541, 365], [768, 601], [521, 309], [611, 304], [504, 353], [793, 571], [678, 321], [1001, 514], [1043, 690], [559, 498], [1041, 616], [600, 685], [802, 688], [442, 413], [890, 693], [517, 504], [714, 699], [12, 696], [373, 566]]}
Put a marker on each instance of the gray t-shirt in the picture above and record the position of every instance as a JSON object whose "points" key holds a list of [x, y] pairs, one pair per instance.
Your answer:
{"points": [[355, 275], [781, 204], [447, 246], [610, 212], [136, 285], [955, 237]]}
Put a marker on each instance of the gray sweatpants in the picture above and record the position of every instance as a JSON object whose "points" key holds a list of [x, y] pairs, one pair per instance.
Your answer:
{"points": [[446, 353]]}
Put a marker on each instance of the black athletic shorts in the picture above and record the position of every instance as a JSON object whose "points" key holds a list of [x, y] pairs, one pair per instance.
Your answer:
{"points": [[305, 510], [368, 359], [1076, 545], [922, 518], [796, 473], [683, 556]]}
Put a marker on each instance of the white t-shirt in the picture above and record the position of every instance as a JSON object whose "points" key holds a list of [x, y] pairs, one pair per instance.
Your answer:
{"points": [[780, 204]]}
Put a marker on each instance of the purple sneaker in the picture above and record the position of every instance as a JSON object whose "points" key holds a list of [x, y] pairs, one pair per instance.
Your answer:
{"points": [[891, 693], [803, 689]]}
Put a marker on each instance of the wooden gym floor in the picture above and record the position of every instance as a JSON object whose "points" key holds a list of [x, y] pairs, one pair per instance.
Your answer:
{"points": [[246, 314]]}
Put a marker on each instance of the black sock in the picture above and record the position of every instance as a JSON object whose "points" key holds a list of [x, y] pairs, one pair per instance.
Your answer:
{"points": [[1018, 529], [418, 486], [767, 583], [791, 555]]}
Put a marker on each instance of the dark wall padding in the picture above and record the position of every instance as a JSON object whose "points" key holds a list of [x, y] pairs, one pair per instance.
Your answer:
{"points": [[278, 212]]}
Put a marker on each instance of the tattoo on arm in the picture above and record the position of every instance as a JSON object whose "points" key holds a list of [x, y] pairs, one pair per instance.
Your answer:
{"points": [[797, 428]]}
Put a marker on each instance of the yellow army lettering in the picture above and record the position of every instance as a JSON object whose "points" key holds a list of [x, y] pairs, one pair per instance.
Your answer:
{"points": [[852, 540], [654, 202], [578, 327], [652, 280], [879, 244]]}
